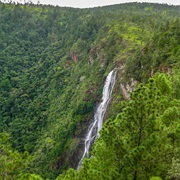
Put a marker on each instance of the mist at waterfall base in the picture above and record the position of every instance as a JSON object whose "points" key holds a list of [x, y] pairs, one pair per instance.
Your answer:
{"points": [[96, 125]]}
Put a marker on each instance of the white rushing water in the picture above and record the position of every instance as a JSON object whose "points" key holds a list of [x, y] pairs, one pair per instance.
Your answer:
{"points": [[96, 125]]}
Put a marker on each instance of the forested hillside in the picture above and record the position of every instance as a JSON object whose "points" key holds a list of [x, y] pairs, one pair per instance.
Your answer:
{"points": [[53, 63]]}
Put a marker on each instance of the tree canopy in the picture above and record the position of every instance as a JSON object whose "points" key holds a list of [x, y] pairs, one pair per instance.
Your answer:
{"points": [[53, 63]]}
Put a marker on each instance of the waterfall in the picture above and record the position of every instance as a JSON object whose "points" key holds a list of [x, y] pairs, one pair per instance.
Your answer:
{"points": [[96, 125]]}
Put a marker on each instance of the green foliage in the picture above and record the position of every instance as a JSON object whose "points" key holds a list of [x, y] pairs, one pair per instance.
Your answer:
{"points": [[53, 62], [29, 177], [160, 53], [175, 79], [13, 165], [141, 143], [173, 172], [155, 178]]}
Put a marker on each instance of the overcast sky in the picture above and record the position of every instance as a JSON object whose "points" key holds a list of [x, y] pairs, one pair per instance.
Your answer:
{"points": [[95, 3]]}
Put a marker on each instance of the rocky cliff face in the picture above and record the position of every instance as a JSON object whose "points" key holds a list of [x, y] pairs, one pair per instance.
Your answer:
{"points": [[127, 88], [74, 57], [74, 148]]}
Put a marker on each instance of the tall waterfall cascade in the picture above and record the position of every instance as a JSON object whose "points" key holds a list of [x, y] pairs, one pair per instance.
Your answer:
{"points": [[96, 125]]}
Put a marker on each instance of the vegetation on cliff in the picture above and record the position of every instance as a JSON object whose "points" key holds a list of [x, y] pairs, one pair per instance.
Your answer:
{"points": [[53, 64], [142, 142]]}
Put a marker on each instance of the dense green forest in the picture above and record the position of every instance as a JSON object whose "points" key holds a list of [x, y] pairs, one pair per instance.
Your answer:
{"points": [[53, 64]]}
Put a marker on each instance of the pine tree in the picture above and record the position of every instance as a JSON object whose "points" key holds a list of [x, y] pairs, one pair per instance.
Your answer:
{"points": [[141, 143]]}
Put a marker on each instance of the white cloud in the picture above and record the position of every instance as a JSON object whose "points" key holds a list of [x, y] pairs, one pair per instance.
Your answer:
{"points": [[95, 3]]}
